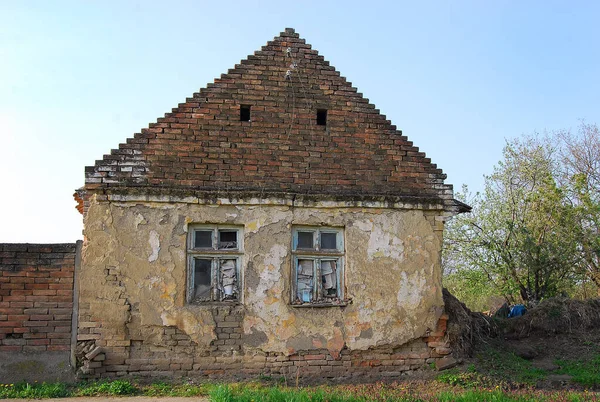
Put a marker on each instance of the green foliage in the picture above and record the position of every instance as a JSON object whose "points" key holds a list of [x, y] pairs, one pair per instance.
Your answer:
{"points": [[581, 178], [534, 232], [472, 287], [34, 391]]}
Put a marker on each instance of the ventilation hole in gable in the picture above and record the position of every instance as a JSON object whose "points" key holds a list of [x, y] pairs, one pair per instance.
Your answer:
{"points": [[322, 117], [244, 113]]}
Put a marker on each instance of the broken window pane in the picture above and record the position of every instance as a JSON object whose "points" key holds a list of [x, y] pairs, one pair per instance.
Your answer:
{"points": [[228, 280], [203, 239], [227, 239], [328, 241], [305, 272], [329, 278], [306, 240], [202, 279]]}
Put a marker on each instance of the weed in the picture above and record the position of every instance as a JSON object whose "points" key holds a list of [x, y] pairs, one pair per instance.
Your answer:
{"points": [[221, 393], [26, 390], [113, 388], [468, 379]]}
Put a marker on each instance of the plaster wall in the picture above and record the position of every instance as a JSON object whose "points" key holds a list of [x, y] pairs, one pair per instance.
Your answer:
{"points": [[133, 278]]}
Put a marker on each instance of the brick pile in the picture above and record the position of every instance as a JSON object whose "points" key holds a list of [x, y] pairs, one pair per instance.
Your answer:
{"points": [[36, 297]]}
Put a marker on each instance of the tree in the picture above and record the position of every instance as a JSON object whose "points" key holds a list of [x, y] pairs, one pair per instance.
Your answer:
{"points": [[580, 176], [520, 231]]}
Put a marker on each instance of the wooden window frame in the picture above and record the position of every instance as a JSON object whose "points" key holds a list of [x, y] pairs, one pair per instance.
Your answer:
{"points": [[215, 255], [317, 256]]}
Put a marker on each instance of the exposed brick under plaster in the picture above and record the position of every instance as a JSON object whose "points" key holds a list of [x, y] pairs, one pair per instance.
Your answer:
{"points": [[225, 358]]}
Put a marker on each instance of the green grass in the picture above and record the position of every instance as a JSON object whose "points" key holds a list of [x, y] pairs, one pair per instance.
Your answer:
{"points": [[584, 372], [227, 393], [166, 389], [467, 379], [469, 386], [112, 388], [509, 367], [34, 391]]}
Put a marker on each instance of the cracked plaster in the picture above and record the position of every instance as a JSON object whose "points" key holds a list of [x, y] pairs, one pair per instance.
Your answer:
{"points": [[392, 274]]}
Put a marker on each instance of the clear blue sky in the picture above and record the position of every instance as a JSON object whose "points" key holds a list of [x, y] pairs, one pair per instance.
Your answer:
{"points": [[458, 77]]}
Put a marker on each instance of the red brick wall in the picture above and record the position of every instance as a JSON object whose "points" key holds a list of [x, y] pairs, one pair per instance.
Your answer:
{"points": [[36, 296], [203, 145]]}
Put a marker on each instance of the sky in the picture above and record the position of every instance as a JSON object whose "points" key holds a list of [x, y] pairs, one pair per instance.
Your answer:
{"points": [[459, 78]]}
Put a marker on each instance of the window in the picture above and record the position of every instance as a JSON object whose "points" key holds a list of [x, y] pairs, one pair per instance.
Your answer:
{"points": [[321, 117], [317, 266], [244, 113], [214, 260]]}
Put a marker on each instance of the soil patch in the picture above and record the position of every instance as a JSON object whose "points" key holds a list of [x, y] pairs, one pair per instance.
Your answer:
{"points": [[555, 345]]}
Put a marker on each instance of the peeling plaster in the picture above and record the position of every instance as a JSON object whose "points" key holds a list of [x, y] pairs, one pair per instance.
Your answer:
{"points": [[410, 292], [154, 241], [139, 219], [392, 275], [383, 243]]}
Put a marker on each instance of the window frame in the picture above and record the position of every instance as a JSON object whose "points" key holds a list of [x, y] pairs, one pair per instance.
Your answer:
{"points": [[318, 255], [215, 255]]}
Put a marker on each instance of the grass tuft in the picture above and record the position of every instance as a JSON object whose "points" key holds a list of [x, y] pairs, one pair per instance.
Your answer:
{"points": [[34, 391], [112, 388]]}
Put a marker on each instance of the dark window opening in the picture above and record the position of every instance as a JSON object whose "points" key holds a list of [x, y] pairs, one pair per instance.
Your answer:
{"points": [[305, 240], [244, 113], [328, 241], [203, 239], [322, 117], [227, 239]]}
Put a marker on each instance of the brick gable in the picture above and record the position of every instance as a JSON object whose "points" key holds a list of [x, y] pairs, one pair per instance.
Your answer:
{"points": [[203, 146]]}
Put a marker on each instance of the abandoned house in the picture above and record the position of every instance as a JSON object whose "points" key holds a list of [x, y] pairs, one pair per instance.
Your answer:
{"points": [[273, 223]]}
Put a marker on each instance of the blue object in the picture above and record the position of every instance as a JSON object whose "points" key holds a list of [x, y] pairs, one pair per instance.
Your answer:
{"points": [[517, 311]]}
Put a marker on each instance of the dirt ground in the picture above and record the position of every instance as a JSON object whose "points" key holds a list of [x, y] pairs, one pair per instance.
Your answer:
{"points": [[529, 349]]}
